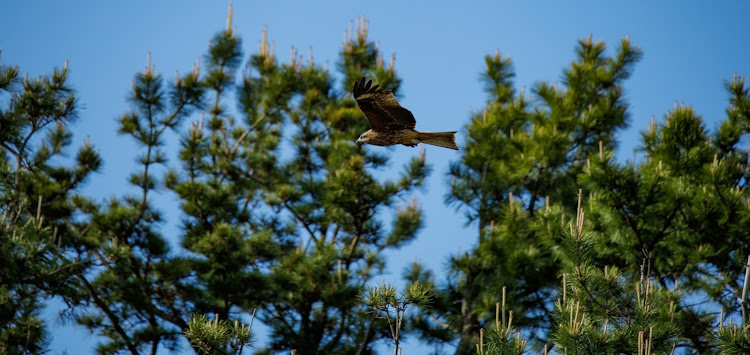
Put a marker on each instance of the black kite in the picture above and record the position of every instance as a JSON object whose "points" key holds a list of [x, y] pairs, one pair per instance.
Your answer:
{"points": [[392, 124]]}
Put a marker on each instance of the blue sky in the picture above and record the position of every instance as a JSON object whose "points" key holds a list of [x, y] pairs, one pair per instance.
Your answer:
{"points": [[690, 48]]}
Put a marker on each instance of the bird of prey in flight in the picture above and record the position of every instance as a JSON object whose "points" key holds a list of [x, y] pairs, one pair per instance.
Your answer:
{"points": [[392, 124]]}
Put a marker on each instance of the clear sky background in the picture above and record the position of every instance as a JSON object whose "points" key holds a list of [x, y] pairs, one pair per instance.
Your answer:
{"points": [[690, 49]]}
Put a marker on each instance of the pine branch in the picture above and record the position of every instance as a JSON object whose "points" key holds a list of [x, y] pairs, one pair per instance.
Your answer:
{"points": [[111, 316]]}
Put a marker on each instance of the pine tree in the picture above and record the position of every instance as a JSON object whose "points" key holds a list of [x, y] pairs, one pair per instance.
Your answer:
{"points": [[137, 295], [218, 336], [386, 304], [674, 223], [294, 237], [519, 159], [605, 310], [38, 199], [283, 215], [683, 211], [281, 208]]}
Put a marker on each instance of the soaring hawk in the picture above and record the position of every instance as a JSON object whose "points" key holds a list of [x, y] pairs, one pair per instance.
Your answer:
{"points": [[392, 124]]}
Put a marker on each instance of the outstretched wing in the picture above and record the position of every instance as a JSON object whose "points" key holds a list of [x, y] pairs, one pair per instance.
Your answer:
{"points": [[381, 107]]}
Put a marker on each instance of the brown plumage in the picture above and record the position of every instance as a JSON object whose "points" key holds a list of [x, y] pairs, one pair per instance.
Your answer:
{"points": [[392, 124]]}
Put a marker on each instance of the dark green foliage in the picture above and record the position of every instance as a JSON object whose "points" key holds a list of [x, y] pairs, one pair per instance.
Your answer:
{"points": [[385, 303], [734, 340], [503, 338], [282, 213], [136, 296], [602, 311], [37, 203], [683, 209], [532, 152], [218, 336], [501, 342], [296, 238], [678, 217]]}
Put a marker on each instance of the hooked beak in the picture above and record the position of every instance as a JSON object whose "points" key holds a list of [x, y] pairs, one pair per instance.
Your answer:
{"points": [[359, 141]]}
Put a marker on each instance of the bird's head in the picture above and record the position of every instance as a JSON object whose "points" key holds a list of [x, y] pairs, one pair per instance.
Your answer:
{"points": [[364, 138]]}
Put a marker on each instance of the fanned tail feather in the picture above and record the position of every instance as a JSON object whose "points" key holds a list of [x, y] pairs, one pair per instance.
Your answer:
{"points": [[440, 139]]}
